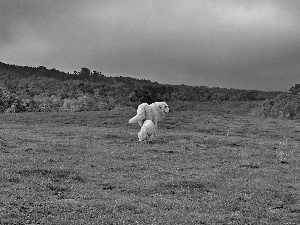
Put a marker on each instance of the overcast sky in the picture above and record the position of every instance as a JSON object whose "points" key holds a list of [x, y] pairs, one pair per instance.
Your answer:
{"points": [[246, 44]]}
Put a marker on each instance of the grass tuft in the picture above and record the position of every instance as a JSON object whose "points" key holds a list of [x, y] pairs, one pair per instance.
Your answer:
{"points": [[55, 175]]}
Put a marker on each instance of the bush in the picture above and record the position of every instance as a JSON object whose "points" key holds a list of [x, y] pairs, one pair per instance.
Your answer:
{"points": [[46, 104], [286, 105], [83, 103], [6, 99]]}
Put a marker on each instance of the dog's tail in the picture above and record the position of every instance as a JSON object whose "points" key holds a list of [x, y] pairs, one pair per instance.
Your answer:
{"points": [[138, 118]]}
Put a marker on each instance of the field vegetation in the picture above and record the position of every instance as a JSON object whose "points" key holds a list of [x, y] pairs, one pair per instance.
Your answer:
{"points": [[212, 164]]}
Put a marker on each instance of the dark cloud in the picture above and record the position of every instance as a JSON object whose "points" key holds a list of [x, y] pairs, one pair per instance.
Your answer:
{"points": [[237, 43]]}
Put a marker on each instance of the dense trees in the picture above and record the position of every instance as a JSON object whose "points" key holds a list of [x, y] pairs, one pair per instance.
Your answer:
{"points": [[284, 105], [25, 88]]}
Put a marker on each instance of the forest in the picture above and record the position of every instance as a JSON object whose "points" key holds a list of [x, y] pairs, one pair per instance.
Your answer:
{"points": [[38, 89]]}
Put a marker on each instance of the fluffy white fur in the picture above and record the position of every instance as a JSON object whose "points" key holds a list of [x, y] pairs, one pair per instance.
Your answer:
{"points": [[154, 112], [147, 132]]}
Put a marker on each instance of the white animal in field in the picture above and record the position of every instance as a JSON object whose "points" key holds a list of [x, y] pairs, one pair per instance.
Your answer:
{"points": [[147, 132], [154, 112]]}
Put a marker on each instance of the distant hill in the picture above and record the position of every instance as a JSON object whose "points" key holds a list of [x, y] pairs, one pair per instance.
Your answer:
{"points": [[24, 88]]}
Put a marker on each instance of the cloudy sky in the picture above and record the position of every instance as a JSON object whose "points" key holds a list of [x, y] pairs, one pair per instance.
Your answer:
{"points": [[246, 44]]}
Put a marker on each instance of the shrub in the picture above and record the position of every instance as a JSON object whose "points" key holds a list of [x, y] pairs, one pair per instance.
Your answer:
{"points": [[83, 103], [286, 105], [6, 99], [47, 104]]}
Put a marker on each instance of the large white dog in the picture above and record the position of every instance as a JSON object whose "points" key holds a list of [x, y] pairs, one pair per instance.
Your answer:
{"points": [[147, 132], [154, 112]]}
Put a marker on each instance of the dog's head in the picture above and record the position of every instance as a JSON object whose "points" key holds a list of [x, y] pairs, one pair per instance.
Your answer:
{"points": [[142, 136], [163, 107]]}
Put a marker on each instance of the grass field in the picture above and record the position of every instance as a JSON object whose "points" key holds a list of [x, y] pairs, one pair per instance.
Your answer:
{"points": [[203, 168]]}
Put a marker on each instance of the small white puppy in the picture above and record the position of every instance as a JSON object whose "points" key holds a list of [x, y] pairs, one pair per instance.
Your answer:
{"points": [[147, 132]]}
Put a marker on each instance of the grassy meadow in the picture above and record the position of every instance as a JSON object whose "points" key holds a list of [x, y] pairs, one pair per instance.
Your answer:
{"points": [[205, 167]]}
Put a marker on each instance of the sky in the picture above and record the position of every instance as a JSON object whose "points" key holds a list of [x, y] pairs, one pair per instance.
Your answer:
{"points": [[244, 44]]}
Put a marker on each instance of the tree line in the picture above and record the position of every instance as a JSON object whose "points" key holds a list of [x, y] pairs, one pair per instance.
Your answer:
{"points": [[38, 89]]}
